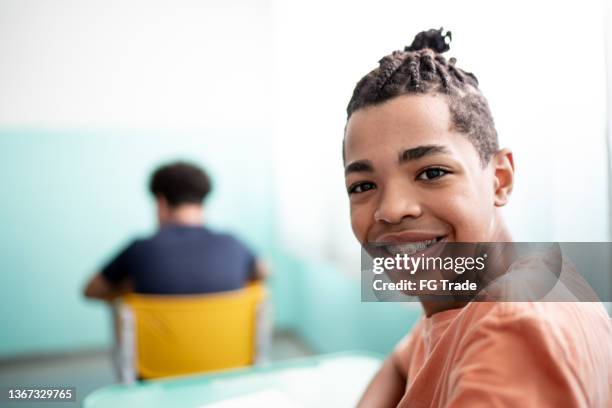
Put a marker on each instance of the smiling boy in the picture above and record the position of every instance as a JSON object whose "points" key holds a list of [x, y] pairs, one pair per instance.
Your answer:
{"points": [[422, 166]]}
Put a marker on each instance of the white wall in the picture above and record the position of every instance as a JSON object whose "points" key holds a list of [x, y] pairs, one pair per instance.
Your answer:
{"points": [[135, 64]]}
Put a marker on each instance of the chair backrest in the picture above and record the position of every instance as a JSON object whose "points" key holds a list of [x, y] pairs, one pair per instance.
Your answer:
{"points": [[175, 335]]}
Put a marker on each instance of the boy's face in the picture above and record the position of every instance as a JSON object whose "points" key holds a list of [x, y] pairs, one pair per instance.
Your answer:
{"points": [[411, 177]]}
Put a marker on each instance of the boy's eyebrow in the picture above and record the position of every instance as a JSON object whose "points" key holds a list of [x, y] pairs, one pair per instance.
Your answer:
{"points": [[414, 153], [421, 151], [358, 167]]}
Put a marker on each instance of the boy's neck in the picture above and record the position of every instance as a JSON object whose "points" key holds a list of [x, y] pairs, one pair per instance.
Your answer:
{"points": [[503, 260], [430, 308], [185, 215]]}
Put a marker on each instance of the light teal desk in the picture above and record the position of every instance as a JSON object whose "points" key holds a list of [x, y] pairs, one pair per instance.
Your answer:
{"points": [[332, 380]]}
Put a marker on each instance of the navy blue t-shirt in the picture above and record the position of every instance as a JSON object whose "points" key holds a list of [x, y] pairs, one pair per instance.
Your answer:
{"points": [[183, 260]]}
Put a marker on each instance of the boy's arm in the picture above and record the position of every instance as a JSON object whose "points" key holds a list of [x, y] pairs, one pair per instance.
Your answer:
{"points": [[387, 387], [99, 287], [114, 280]]}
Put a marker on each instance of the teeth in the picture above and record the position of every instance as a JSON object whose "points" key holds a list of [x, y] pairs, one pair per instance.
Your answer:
{"points": [[410, 248]]}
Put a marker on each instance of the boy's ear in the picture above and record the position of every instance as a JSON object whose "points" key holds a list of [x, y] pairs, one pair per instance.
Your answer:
{"points": [[503, 167]]}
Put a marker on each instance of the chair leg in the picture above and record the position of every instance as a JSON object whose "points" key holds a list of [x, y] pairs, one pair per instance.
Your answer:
{"points": [[125, 352], [264, 326]]}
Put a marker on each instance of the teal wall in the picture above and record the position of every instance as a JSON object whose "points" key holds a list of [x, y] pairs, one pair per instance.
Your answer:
{"points": [[71, 199], [331, 317]]}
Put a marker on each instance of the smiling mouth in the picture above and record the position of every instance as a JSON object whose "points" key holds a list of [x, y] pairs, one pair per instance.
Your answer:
{"points": [[410, 248]]}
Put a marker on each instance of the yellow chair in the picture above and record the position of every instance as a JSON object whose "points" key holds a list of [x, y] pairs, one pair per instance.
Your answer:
{"points": [[167, 335]]}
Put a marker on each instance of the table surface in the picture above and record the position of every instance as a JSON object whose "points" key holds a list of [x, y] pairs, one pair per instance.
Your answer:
{"points": [[334, 380]]}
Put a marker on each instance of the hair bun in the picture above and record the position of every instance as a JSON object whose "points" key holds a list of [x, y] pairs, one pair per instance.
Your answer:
{"points": [[432, 39]]}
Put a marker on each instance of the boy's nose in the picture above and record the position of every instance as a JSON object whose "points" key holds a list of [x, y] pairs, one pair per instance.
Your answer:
{"points": [[396, 204]]}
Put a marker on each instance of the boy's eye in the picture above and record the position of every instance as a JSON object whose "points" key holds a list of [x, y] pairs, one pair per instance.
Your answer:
{"points": [[361, 187], [432, 173]]}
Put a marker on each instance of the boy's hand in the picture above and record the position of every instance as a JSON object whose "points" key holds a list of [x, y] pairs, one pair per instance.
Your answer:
{"points": [[260, 271]]}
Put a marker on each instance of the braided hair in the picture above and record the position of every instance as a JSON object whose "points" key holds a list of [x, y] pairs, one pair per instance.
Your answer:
{"points": [[421, 69]]}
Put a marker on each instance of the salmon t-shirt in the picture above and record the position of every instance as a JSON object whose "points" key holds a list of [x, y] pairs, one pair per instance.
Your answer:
{"points": [[509, 354]]}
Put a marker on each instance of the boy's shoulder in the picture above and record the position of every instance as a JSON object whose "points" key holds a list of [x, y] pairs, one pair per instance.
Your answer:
{"points": [[565, 328], [561, 315], [576, 336]]}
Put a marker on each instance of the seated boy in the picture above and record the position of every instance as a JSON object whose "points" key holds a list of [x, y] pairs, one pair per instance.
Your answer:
{"points": [[183, 257], [422, 165]]}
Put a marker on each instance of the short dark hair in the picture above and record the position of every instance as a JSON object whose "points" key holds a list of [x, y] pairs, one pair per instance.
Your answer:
{"points": [[180, 183], [421, 69]]}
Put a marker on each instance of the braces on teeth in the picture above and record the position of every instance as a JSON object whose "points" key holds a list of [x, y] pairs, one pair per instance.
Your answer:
{"points": [[410, 248]]}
